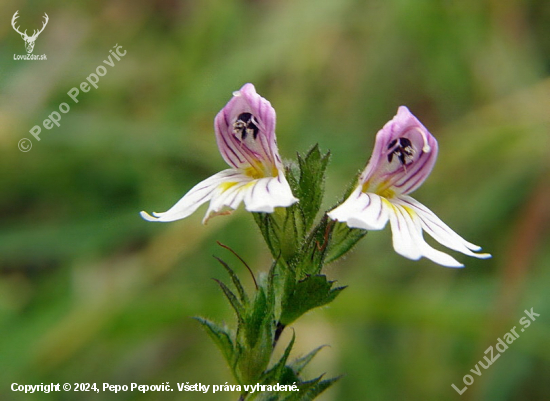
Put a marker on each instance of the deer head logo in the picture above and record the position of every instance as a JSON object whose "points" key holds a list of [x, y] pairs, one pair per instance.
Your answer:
{"points": [[29, 40]]}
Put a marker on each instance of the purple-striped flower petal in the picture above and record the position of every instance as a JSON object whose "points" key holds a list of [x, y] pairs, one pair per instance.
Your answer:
{"points": [[441, 232], [362, 210], [403, 157], [201, 193], [245, 133]]}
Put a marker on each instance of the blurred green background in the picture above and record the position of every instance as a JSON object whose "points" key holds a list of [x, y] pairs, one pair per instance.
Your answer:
{"points": [[89, 292]]}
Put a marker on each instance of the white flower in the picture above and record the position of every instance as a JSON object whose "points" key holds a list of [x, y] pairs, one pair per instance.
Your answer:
{"points": [[245, 133], [403, 157]]}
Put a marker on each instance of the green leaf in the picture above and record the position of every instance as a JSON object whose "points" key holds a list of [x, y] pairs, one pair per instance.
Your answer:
{"points": [[233, 300], [282, 231], [311, 389], [291, 233], [272, 288], [257, 318], [221, 338], [274, 375], [255, 336], [342, 240], [312, 183], [300, 363], [309, 293], [310, 259], [240, 290], [266, 225]]}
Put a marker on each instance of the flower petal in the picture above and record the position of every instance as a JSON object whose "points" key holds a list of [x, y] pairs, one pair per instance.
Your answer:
{"points": [[408, 241], [225, 191], [199, 194], [439, 230], [403, 156], [361, 210], [265, 194], [245, 132], [259, 195]]}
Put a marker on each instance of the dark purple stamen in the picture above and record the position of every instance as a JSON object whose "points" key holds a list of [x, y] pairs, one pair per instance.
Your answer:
{"points": [[246, 124], [404, 151]]}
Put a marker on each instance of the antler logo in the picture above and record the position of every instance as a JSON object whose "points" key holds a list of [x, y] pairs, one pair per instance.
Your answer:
{"points": [[29, 40]]}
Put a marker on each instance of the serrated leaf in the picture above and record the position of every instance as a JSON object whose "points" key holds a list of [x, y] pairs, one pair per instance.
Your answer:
{"points": [[342, 240], [240, 290], [221, 338], [257, 318], [265, 223], [271, 289], [274, 375], [281, 231], [289, 376], [311, 183], [311, 389], [309, 293], [256, 338], [291, 233], [233, 300], [310, 259], [300, 363], [304, 387]]}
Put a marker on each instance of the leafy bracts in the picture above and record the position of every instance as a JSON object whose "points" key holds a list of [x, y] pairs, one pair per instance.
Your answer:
{"points": [[249, 348]]}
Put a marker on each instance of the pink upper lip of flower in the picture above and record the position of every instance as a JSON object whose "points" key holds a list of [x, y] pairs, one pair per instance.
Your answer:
{"points": [[241, 150], [390, 166]]}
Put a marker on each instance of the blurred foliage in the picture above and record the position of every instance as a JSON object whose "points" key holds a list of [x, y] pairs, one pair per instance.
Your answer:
{"points": [[89, 292]]}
